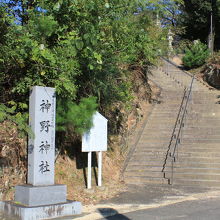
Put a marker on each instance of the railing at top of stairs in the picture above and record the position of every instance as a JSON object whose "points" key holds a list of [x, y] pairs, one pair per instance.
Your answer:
{"points": [[176, 136]]}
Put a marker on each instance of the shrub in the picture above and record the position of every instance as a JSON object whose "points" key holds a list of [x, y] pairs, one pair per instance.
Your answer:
{"points": [[196, 55]]}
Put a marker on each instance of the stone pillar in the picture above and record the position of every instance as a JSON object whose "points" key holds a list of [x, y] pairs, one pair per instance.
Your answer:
{"points": [[40, 189], [41, 144], [40, 198]]}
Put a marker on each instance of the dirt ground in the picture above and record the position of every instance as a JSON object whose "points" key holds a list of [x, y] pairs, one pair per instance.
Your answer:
{"points": [[177, 60], [71, 173]]}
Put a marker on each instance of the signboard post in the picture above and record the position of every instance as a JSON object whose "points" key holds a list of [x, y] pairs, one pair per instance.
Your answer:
{"points": [[95, 140], [100, 168], [89, 175]]}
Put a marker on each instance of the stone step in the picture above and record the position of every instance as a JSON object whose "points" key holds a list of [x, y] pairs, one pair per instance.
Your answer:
{"points": [[202, 145], [197, 156], [201, 117], [150, 168], [196, 176], [185, 141], [157, 122], [163, 140], [157, 109], [152, 163], [153, 140], [189, 138], [165, 116], [161, 120], [173, 100], [168, 107], [202, 121], [190, 165], [160, 126], [182, 159], [181, 150], [212, 102], [205, 115], [203, 97], [150, 136], [141, 180], [193, 109], [142, 148], [161, 134], [155, 145], [147, 166], [154, 128], [198, 131], [149, 153], [198, 149], [198, 113], [157, 129], [215, 93], [190, 122], [201, 138], [167, 92], [197, 183], [202, 127], [203, 135], [149, 157], [152, 145], [143, 173], [172, 97], [195, 170]]}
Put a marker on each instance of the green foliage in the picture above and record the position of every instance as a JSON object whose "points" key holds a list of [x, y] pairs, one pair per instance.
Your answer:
{"points": [[9, 113], [167, 10], [195, 19], [196, 55], [69, 114], [82, 48]]}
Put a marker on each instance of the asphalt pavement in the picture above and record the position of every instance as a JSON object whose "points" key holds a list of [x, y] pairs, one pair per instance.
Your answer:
{"points": [[204, 209], [157, 202]]}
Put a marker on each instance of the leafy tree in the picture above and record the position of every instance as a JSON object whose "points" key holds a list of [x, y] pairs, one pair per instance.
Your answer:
{"points": [[166, 11], [196, 55], [82, 48], [195, 17]]}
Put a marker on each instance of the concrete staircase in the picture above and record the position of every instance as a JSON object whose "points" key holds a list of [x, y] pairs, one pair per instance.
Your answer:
{"points": [[199, 153], [198, 156]]}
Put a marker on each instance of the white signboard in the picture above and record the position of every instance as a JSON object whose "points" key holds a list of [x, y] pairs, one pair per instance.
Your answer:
{"points": [[96, 138], [41, 147]]}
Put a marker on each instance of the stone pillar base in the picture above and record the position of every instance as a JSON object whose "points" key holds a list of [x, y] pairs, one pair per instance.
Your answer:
{"points": [[40, 195], [21, 212]]}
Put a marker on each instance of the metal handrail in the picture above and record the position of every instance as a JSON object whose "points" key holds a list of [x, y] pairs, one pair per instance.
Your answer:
{"points": [[175, 149], [174, 128], [169, 61], [183, 116]]}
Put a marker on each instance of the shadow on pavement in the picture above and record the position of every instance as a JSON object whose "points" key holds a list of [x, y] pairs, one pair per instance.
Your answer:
{"points": [[112, 214]]}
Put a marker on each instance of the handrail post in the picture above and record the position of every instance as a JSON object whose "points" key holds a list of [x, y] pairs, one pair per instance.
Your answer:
{"points": [[172, 171]]}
